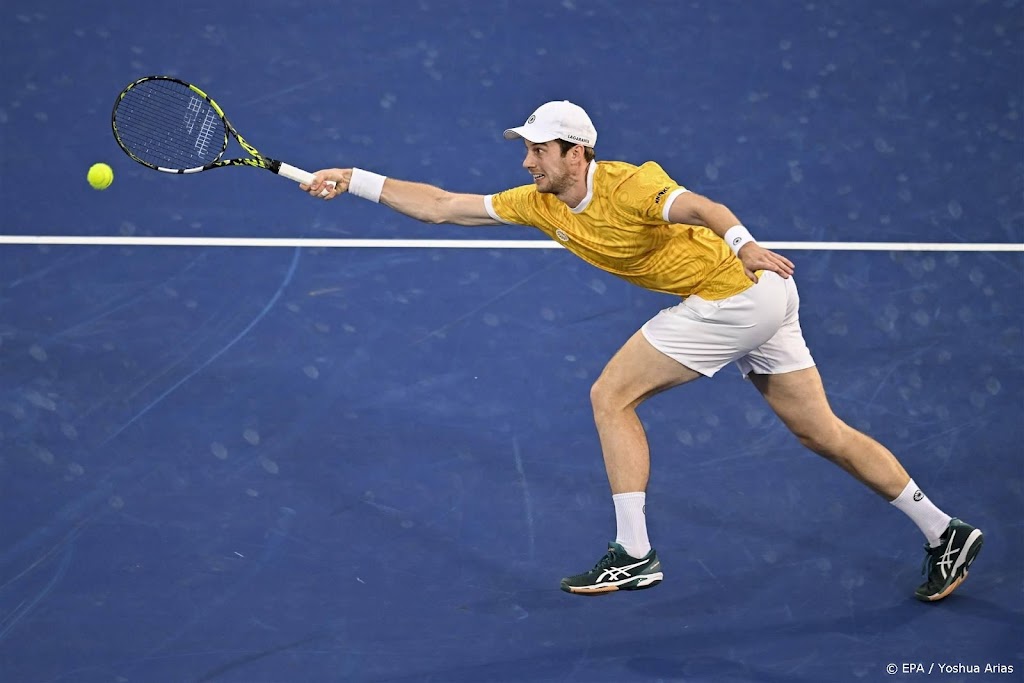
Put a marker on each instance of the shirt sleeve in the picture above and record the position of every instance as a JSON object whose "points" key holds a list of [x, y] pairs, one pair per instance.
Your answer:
{"points": [[514, 207], [649, 192]]}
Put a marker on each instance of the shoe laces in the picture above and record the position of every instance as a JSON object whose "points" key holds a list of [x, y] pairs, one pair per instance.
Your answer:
{"points": [[929, 562], [606, 561], [930, 556]]}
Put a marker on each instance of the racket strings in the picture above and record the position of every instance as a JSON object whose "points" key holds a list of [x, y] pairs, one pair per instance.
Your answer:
{"points": [[166, 124]]}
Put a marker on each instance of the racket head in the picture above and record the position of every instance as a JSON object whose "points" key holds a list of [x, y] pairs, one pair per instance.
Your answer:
{"points": [[169, 125]]}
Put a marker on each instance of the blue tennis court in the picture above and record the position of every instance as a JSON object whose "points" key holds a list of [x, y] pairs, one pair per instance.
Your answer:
{"points": [[308, 462]]}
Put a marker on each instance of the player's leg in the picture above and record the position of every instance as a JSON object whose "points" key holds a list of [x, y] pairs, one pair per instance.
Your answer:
{"points": [[783, 371], [798, 398], [694, 339], [636, 372]]}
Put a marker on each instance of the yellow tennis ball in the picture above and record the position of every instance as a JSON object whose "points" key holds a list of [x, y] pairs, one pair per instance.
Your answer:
{"points": [[100, 176]]}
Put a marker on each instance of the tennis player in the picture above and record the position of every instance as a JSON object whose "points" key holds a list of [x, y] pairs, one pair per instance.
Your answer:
{"points": [[739, 305]]}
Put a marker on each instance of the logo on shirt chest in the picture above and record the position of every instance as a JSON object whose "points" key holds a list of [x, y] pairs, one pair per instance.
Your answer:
{"points": [[560, 234]]}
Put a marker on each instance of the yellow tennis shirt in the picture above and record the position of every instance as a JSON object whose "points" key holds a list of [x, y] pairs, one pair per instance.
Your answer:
{"points": [[622, 226]]}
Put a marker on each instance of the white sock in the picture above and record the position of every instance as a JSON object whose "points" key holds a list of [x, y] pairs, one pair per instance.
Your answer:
{"points": [[631, 523], [930, 520]]}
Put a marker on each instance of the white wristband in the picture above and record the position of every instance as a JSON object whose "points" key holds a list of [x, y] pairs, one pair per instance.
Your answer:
{"points": [[366, 184], [736, 237]]}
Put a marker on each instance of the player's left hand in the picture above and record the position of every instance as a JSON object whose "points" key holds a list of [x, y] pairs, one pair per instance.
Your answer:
{"points": [[754, 257], [328, 183]]}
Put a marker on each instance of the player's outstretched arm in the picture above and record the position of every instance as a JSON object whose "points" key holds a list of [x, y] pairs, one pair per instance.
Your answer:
{"points": [[423, 202], [694, 209]]}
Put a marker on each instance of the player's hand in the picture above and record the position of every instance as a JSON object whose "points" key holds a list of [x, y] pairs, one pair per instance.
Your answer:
{"points": [[328, 183], [754, 257]]}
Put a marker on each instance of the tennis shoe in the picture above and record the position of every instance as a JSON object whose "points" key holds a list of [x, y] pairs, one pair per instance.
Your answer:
{"points": [[945, 566], [617, 571]]}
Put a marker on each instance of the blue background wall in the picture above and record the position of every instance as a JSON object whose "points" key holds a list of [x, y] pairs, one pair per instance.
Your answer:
{"points": [[817, 120]]}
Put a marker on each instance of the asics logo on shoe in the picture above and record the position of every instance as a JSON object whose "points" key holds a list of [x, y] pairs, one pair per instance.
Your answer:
{"points": [[616, 573], [945, 562]]}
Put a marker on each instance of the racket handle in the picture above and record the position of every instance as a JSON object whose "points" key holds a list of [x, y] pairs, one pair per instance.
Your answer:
{"points": [[302, 177], [297, 174]]}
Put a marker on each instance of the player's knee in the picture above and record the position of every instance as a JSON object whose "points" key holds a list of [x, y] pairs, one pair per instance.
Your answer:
{"points": [[604, 397], [824, 438], [599, 393]]}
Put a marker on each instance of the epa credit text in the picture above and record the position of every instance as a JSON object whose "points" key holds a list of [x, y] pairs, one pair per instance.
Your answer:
{"points": [[947, 668]]}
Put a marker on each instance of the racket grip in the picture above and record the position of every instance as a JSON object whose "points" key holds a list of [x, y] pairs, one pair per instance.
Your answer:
{"points": [[297, 174]]}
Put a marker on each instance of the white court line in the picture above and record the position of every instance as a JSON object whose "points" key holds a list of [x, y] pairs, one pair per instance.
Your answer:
{"points": [[120, 240]]}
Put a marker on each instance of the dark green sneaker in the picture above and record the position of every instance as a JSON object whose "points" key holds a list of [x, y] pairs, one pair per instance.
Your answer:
{"points": [[945, 567], [617, 571]]}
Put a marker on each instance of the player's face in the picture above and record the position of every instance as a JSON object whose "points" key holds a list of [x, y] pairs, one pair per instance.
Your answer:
{"points": [[550, 170]]}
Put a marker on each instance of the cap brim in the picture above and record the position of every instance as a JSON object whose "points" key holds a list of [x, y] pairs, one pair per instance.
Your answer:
{"points": [[530, 134]]}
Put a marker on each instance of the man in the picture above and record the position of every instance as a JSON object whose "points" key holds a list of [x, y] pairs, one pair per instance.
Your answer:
{"points": [[739, 305]]}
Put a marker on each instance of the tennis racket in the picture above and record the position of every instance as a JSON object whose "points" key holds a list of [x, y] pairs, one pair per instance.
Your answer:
{"points": [[172, 126]]}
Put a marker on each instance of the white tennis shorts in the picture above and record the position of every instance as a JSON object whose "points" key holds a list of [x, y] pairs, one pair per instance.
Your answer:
{"points": [[758, 329]]}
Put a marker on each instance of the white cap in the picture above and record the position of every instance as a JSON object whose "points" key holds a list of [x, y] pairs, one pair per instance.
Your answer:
{"points": [[557, 121]]}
